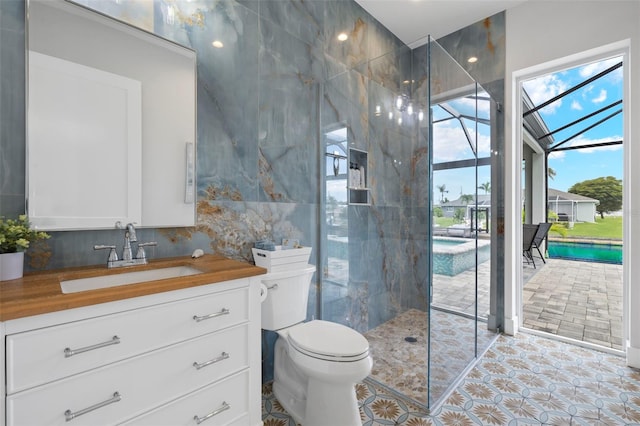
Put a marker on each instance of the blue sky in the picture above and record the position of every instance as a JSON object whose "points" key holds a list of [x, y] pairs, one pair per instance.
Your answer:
{"points": [[451, 144], [570, 166], [579, 165]]}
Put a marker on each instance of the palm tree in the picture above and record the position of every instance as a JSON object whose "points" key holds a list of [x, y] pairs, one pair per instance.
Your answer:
{"points": [[442, 188], [486, 187], [466, 198]]}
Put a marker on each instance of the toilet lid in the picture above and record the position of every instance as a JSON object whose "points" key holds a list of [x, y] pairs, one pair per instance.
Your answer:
{"points": [[329, 339]]}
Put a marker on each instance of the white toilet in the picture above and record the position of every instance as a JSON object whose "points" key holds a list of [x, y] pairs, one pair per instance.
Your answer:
{"points": [[317, 363]]}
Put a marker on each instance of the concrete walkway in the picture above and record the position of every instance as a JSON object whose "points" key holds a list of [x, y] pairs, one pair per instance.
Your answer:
{"points": [[579, 300]]}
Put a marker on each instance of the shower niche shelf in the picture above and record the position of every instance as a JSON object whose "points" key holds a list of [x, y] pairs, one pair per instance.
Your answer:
{"points": [[358, 191]]}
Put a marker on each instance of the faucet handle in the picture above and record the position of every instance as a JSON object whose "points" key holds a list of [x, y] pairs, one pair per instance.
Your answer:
{"points": [[141, 253], [113, 256]]}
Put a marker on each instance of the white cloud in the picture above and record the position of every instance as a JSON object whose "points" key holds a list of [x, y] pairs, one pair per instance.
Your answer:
{"points": [[601, 97], [484, 145], [450, 142], [544, 88], [587, 91], [483, 106], [592, 69], [337, 189], [557, 156], [582, 141], [576, 105]]}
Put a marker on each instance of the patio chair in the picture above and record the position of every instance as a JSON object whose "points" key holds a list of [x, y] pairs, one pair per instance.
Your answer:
{"points": [[541, 234], [528, 234]]}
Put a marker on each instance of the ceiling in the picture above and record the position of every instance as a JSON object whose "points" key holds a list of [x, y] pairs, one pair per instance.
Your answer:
{"points": [[413, 20]]}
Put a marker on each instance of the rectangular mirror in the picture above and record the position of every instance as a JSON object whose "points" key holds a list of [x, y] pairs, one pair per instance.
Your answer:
{"points": [[111, 122]]}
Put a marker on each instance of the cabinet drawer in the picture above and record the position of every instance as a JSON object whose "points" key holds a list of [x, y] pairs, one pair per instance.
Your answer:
{"points": [[227, 402], [142, 382], [38, 357]]}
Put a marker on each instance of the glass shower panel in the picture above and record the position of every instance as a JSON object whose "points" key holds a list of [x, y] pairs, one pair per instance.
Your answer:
{"points": [[336, 247], [339, 131], [376, 247], [454, 104]]}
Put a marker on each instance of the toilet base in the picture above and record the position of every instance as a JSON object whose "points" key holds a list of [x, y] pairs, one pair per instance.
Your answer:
{"points": [[294, 406], [328, 404], [309, 400]]}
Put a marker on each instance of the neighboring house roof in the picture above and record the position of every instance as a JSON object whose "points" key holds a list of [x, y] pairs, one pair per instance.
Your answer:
{"points": [[556, 195], [483, 200]]}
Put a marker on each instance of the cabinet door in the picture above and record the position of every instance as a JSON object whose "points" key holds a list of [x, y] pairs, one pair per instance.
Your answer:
{"points": [[38, 357], [141, 383]]}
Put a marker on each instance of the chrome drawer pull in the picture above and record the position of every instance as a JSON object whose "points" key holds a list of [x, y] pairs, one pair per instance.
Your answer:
{"points": [[68, 352], [224, 407], [224, 311], [222, 357], [68, 415]]}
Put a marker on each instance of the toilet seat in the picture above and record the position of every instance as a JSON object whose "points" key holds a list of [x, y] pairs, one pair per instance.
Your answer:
{"points": [[328, 341]]}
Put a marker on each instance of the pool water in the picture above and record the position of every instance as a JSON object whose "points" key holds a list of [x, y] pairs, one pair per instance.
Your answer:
{"points": [[437, 242], [588, 252]]}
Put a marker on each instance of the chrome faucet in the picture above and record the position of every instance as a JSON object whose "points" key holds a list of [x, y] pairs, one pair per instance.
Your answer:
{"points": [[129, 237], [127, 256], [132, 232]]}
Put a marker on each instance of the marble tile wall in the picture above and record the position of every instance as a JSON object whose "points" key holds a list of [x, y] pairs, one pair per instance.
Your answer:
{"points": [[263, 100], [258, 117]]}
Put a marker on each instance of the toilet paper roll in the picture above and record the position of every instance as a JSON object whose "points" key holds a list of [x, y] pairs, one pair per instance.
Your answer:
{"points": [[263, 292]]}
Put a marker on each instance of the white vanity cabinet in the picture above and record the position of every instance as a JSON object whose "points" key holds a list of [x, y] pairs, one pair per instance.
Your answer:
{"points": [[181, 357]]}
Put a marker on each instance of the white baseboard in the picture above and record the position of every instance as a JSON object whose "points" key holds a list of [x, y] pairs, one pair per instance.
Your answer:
{"points": [[633, 357], [511, 326]]}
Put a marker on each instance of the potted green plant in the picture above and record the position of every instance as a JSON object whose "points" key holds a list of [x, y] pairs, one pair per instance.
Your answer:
{"points": [[15, 237]]}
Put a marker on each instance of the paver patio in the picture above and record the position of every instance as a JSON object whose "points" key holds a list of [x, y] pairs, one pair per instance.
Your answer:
{"points": [[578, 300]]}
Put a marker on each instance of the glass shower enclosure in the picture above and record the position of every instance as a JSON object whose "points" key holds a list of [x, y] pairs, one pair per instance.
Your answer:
{"points": [[460, 147], [405, 186]]}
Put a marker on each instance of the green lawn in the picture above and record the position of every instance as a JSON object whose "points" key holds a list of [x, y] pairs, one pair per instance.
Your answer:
{"points": [[445, 221], [609, 228]]}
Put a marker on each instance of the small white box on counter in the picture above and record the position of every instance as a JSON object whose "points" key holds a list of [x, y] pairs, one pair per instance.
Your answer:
{"points": [[280, 260]]}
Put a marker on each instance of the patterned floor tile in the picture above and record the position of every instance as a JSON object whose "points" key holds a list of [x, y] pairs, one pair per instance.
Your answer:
{"points": [[521, 380]]}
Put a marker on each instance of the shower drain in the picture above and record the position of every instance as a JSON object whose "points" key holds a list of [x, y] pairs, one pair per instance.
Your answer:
{"points": [[410, 339]]}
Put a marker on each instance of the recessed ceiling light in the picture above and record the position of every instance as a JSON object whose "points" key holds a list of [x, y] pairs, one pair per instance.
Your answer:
{"points": [[343, 36], [472, 59], [218, 44]]}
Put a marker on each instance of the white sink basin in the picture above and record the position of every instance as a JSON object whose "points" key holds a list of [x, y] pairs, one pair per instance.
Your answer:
{"points": [[105, 281]]}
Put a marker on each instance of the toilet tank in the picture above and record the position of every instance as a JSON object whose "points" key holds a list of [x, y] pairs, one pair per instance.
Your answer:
{"points": [[286, 298]]}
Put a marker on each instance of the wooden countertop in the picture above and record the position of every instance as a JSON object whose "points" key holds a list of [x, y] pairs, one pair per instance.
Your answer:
{"points": [[39, 292]]}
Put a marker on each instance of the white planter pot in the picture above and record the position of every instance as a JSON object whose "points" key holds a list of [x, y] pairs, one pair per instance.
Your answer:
{"points": [[11, 266]]}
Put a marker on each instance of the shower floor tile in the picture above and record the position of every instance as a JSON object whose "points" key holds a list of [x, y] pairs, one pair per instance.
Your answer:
{"points": [[399, 349]]}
